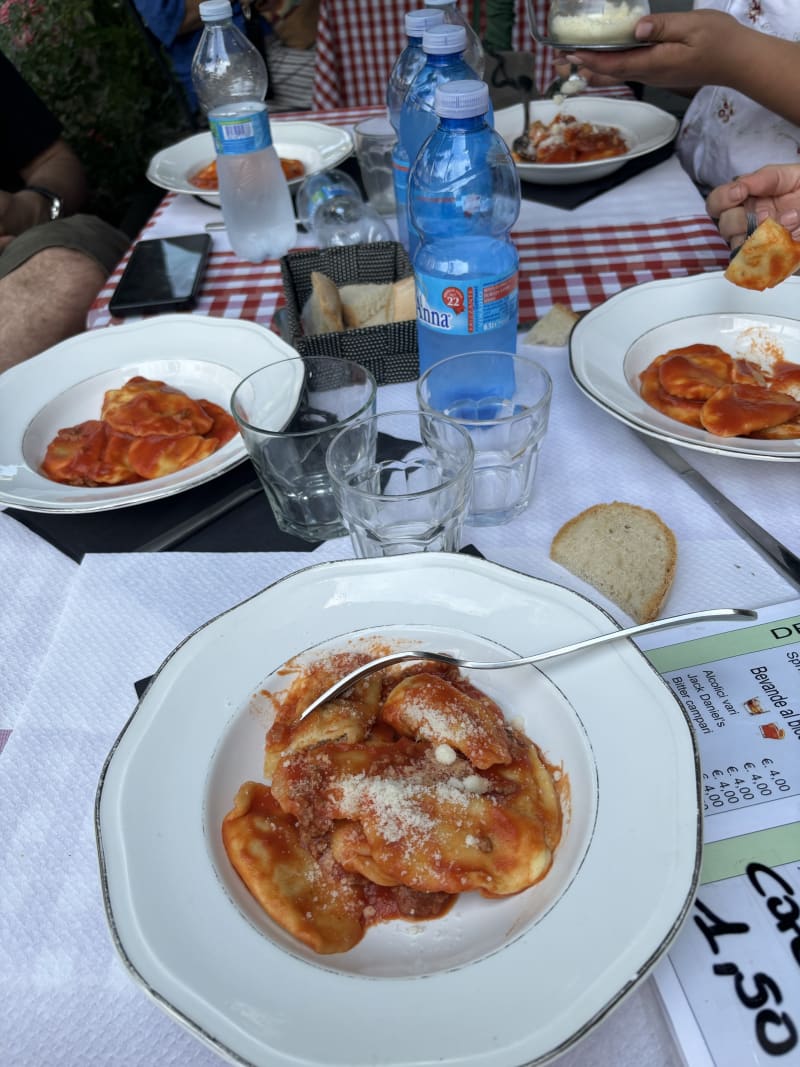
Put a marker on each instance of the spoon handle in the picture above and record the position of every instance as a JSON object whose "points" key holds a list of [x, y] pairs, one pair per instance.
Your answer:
{"points": [[630, 631], [366, 669]]}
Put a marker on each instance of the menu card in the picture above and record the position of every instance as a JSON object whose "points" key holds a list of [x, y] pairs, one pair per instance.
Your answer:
{"points": [[731, 982]]}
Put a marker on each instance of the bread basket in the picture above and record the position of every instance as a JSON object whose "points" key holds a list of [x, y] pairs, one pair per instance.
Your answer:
{"points": [[389, 352]]}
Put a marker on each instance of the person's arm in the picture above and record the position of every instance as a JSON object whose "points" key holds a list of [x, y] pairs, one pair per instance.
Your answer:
{"points": [[191, 17], [695, 48], [57, 169], [773, 190]]}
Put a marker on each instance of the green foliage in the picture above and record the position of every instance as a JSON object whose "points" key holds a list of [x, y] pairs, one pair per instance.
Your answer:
{"points": [[90, 63]]}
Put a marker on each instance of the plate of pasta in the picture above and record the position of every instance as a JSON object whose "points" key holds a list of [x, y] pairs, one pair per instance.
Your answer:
{"points": [[621, 351], [428, 838], [134, 413], [586, 137], [303, 147]]}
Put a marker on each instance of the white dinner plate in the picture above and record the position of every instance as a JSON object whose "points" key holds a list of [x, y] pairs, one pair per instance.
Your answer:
{"points": [[317, 146], [613, 342], [63, 386], [644, 127], [496, 983]]}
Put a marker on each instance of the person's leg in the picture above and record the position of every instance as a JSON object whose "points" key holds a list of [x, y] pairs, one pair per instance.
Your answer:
{"points": [[45, 301], [49, 277]]}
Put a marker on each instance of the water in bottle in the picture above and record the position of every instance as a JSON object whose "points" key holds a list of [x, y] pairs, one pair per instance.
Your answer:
{"points": [[331, 207], [226, 66], [463, 199], [474, 53], [444, 47], [254, 196], [230, 79], [407, 65]]}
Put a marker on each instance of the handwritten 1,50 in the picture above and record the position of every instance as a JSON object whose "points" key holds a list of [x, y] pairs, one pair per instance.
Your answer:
{"points": [[775, 1029]]}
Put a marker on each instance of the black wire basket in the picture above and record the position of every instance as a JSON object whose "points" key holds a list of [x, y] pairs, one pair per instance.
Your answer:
{"points": [[389, 352]]}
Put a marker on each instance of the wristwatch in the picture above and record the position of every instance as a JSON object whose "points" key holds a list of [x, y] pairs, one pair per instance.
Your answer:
{"points": [[54, 198]]}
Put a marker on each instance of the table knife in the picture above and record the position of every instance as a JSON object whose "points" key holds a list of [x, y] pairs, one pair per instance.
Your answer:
{"points": [[777, 555]]}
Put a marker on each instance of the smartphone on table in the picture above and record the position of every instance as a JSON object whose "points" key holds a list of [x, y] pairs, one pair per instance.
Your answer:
{"points": [[162, 274]]}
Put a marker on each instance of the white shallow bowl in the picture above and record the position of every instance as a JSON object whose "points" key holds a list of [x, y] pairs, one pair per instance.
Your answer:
{"points": [[317, 146], [497, 983], [644, 127], [64, 385], [615, 341]]}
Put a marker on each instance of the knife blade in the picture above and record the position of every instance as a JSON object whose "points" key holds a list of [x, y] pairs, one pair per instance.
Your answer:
{"points": [[776, 554]]}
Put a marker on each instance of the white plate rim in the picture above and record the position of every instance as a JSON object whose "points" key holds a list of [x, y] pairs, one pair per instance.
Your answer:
{"points": [[415, 578], [336, 147], [90, 354], [598, 109], [624, 317]]}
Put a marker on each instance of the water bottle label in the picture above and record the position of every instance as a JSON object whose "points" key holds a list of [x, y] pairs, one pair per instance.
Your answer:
{"points": [[236, 134], [464, 306]]}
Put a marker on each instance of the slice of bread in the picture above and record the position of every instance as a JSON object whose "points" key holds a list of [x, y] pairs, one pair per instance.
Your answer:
{"points": [[625, 551], [366, 304], [322, 312], [404, 299], [552, 329]]}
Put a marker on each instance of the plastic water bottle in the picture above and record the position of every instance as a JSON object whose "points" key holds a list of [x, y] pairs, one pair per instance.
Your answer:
{"points": [[474, 53], [226, 66], [230, 79], [406, 67], [331, 207], [254, 195], [443, 46], [463, 199]]}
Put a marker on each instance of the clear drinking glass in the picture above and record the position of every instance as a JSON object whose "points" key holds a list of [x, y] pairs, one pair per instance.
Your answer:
{"points": [[503, 401], [402, 481], [375, 139], [290, 460]]}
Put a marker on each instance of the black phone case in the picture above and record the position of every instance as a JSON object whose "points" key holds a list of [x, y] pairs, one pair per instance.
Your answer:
{"points": [[119, 307]]}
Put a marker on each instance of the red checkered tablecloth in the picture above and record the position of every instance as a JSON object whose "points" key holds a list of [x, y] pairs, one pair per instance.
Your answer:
{"points": [[357, 44], [577, 266]]}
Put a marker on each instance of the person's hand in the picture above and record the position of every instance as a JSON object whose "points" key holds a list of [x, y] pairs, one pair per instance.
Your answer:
{"points": [[773, 190], [689, 49]]}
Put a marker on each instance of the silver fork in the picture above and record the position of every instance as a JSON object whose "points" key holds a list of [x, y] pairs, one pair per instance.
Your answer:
{"points": [[340, 687]]}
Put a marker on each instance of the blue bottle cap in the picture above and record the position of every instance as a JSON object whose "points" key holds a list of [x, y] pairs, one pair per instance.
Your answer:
{"points": [[444, 39], [461, 99], [419, 21]]}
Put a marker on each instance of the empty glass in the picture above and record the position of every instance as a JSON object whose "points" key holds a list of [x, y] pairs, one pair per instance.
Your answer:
{"points": [[503, 401], [290, 460], [402, 481], [375, 139]]}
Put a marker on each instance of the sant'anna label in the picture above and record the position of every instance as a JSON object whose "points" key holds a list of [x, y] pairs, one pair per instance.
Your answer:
{"points": [[464, 306], [237, 134]]}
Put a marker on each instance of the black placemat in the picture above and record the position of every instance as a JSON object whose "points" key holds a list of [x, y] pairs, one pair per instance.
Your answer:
{"points": [[232, 509], [228, 514], [572, 196]]}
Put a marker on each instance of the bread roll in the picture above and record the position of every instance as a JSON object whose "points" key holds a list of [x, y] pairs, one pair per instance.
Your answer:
{"points": [[404, 300], [322, 312], [331, 310], [626, 552], [366, 304]]}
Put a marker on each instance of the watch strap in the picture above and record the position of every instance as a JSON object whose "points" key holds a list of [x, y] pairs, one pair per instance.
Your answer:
{"points": [[53, 198]]}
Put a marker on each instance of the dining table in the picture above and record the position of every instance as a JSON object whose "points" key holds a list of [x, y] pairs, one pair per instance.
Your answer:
{"points": [[92, 605]]}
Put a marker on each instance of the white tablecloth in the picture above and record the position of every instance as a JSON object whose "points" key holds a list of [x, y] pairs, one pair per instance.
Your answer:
{"points": [[74, 639]]}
